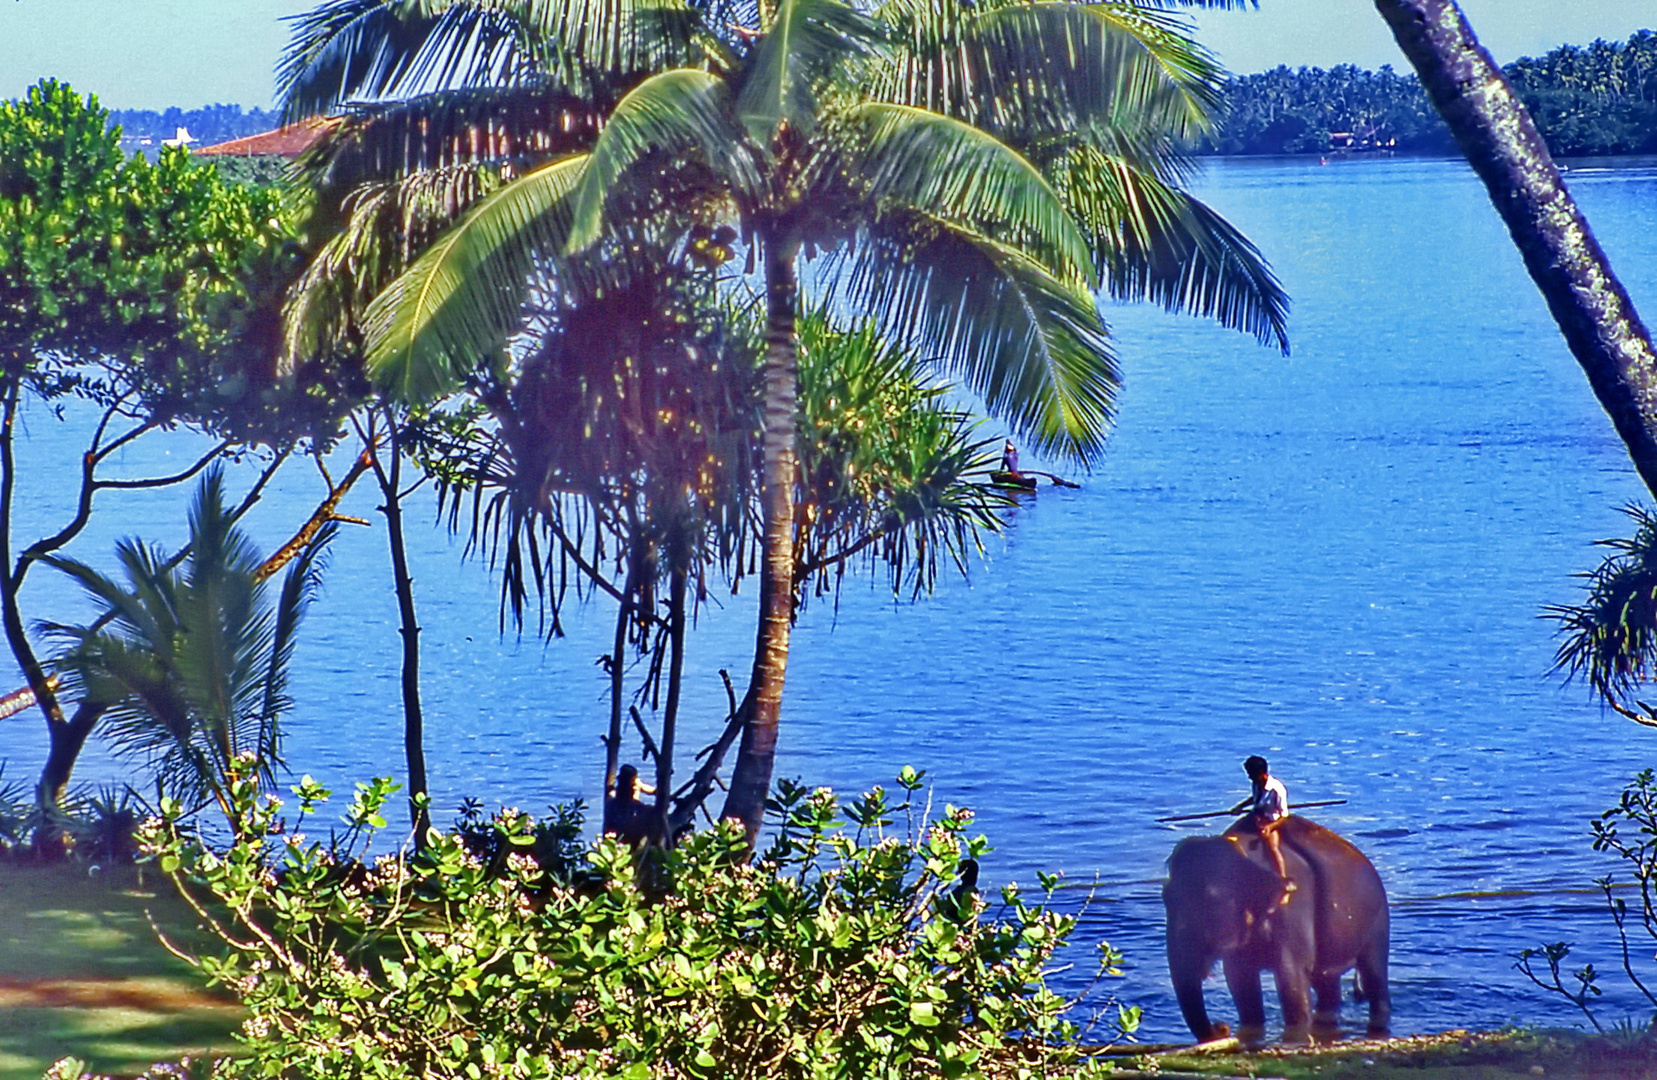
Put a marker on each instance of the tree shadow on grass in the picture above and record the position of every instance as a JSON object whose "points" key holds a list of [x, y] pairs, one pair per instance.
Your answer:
{"points": [[82, 974]]}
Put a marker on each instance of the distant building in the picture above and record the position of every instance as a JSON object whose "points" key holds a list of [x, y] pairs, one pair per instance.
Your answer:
{"points": [[181, 137], [285, 142]]}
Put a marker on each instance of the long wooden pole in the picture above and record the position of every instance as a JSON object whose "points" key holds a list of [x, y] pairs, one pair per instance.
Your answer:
{"points": [[1229, 813]]}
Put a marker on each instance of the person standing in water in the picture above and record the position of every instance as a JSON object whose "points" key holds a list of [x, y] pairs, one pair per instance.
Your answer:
{"points": [[1267, 807]]}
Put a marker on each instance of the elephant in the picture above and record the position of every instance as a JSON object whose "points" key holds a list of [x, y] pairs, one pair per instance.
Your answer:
{"points": [[1225, 901]]}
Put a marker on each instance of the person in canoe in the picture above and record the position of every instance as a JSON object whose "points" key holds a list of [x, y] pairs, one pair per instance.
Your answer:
{"points": [[1009, 476], [1267, 807]]}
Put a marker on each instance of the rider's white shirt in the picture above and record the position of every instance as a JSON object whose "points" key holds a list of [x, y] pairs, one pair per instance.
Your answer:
{"points": [[1273, 801]]}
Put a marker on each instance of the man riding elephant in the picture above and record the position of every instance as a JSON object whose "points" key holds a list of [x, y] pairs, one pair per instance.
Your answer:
{"points": [[1225, 901], [1268, 807]]}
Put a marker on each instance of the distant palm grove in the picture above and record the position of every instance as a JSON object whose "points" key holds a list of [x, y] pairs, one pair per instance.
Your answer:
{"points": [[1587, 100]]}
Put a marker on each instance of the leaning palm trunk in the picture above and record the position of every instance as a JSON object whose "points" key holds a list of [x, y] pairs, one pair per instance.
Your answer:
{"points": [[751, 776], [1502, 144]]}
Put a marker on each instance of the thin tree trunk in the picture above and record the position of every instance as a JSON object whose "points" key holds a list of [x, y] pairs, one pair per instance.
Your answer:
{"points": [[751, 776], [64, 748], [1503, 146], [66, 741], [670, 715], [326, 512], [618, 671], [414, 744]]}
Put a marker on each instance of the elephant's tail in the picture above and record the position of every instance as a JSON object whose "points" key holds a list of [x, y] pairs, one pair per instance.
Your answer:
{"points": [[1360, 992]]}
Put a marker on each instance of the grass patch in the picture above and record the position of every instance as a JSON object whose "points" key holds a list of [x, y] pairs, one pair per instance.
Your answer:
{"points": [[81, 973], [1454, 1055]]}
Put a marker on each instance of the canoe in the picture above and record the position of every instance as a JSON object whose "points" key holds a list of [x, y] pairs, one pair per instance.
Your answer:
{"points": [[1012, 481]]}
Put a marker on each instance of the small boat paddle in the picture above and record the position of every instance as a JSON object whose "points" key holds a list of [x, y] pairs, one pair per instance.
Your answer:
{"points": [[1229, 813], [1058, 481]]}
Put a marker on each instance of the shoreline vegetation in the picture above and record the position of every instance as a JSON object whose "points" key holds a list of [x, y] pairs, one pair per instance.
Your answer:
{"points": [[1587, 101], [1592, 100], [111, 996]]}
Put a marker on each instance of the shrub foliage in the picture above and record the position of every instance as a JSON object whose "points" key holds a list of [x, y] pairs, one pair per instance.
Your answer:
{"points": [[851, 948]]}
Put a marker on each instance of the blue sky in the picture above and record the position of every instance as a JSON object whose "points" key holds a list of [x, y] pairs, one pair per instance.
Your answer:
{"points": [[148, 54]]}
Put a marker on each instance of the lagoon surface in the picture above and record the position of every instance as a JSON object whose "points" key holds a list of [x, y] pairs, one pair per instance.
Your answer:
{"points": [[1336, 559]]}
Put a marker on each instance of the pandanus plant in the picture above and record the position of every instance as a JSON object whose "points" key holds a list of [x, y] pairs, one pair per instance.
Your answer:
{"points": [[972, 173]]}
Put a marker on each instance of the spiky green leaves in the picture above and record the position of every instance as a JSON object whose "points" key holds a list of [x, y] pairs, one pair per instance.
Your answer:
{"points": [[1610, 639], [923, 161], [368, 50], [388, 227], [1030, 344], [1154, 241], [1120, 73], [194, 666], [348, 51]]}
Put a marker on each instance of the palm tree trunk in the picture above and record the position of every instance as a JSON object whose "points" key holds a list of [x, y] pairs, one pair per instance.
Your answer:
{"points": [[64, 749], [1503, 146], [414, 740], [751, 776]]}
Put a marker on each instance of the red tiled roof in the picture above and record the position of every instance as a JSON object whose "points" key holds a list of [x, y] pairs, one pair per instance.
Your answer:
{"points": [[288, 142]]}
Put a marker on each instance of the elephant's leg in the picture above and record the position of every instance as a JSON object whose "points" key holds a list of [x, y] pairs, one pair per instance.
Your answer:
{"points": [[1294, 992], [1327, 986], [1372, 976], [1188, 967], [1243, 980]]}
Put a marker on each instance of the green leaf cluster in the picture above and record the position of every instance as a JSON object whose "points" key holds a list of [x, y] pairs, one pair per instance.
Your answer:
{"points": [[852, 948], [1610, 638], [109, 258]]}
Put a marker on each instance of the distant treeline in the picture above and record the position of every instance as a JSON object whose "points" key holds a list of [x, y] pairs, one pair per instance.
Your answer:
{"points": [[208, 124], [1587, 100]]}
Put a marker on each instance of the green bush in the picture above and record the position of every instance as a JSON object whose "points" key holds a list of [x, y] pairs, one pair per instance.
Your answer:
{"points": [[844, 951]]}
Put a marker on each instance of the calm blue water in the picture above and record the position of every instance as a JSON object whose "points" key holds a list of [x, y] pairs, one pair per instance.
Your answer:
{"points": [[1336, 560]]}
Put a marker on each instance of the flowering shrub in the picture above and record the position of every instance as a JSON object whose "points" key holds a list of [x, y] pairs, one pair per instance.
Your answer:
{"points": [[844, 951]]}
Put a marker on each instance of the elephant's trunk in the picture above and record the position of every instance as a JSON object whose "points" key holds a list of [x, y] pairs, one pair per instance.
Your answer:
{"points": [[1188, 968]]}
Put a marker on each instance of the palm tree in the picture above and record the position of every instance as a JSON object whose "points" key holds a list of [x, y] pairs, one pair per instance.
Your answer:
{"points": [[193, 669], [974, 172], [890, 473]]}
